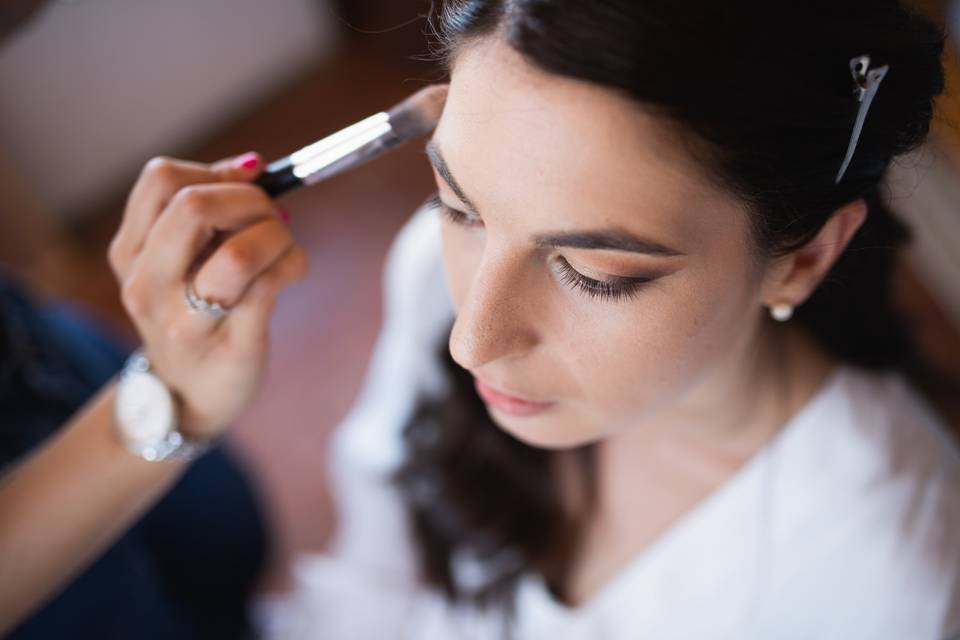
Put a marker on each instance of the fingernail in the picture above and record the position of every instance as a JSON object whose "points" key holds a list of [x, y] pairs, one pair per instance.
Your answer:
{"points": [[248, 160], [284, 215]]}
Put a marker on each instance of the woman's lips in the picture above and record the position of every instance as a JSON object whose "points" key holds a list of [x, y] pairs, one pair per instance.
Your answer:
{"points": [[507, 403]]}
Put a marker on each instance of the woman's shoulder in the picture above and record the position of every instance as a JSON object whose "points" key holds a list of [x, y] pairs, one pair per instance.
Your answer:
{"points": [[415, 251], [916, 460], [873, 477], [876, 439], [873, 427], [403, 365], [898, 427], [417, 306]]}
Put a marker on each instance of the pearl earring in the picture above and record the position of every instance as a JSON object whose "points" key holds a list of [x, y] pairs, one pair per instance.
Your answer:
{"points": [[781, 312]]}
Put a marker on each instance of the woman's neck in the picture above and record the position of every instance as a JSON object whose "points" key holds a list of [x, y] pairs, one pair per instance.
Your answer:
{"points": [[646, 479], [743, 407]]}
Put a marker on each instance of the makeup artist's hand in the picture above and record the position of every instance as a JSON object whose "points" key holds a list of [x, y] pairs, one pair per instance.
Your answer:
{"points": [[206, 223]]}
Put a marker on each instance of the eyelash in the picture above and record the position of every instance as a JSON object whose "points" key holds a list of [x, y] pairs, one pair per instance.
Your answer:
{"points": [[621, 288]]}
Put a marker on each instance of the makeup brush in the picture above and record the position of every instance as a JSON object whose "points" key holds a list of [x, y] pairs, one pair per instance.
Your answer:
{"points": [[356, 144]]}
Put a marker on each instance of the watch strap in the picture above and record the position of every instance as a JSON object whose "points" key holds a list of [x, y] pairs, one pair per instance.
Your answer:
{"points": [[174, 446]]}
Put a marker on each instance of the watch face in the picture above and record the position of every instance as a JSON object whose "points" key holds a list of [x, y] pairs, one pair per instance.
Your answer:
{"points": [[144, 408]]}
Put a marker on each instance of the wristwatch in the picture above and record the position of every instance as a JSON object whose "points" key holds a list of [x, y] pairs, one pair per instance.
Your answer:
{"points": [[146, 416]]}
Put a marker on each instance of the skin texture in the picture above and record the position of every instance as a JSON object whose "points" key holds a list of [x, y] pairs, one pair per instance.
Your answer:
{"points": [[677, 385]]}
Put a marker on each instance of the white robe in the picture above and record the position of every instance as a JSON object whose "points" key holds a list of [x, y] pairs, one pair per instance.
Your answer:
{"points": [[844, 526]]}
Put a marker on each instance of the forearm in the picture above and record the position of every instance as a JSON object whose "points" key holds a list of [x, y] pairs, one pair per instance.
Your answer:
{"points": [[63, 505]]}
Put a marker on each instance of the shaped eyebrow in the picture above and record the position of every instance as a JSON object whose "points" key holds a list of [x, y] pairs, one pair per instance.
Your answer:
{"points": [[614, 239], [604, 239], [436, 159]]}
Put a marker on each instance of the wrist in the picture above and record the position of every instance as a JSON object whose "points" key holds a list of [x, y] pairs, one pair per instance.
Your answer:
{"points": [[147, 415]]}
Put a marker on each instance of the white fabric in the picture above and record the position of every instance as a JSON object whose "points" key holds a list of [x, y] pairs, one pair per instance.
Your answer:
{"points": [[844, 527]]}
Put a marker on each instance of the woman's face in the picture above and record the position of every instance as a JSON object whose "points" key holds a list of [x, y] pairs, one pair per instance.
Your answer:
{"points": [[591, 266]]}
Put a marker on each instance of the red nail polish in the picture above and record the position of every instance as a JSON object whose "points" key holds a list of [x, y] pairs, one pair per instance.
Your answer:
{"points": [[248, 160], [284, 215]]}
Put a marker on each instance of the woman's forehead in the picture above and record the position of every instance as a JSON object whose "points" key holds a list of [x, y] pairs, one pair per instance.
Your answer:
{"points": [[516, 136]]}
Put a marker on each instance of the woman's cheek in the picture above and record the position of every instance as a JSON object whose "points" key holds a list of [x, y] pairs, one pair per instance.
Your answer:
{"points": [[641, 353], [698, 333]]}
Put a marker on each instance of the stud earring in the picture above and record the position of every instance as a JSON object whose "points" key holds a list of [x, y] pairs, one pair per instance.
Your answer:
{"points": [[781, 312]]}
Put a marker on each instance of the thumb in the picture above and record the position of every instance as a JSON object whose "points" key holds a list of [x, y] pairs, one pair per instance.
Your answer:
{"points": [[242, 168]]}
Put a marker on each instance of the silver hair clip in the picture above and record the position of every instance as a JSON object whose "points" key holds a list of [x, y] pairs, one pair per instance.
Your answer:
{"points": [[866, 82]]}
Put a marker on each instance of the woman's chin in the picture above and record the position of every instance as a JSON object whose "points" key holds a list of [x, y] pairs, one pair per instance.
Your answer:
{"points": [[543, 431]]}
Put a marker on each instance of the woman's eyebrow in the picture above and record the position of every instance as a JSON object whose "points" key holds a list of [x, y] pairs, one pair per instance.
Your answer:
{"points": [[615, 239], [609, 239], [436, 159]]}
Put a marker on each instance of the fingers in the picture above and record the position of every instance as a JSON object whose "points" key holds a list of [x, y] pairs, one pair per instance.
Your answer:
{"points": [[250, 318], [191, 221], [269, 261], [233, 267], [239, 168], [160, 179]]}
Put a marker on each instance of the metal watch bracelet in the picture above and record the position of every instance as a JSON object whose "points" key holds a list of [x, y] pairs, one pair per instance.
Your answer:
{"points": [[173, 447]]}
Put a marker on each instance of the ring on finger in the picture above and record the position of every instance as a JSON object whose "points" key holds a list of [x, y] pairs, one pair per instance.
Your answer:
{"points": [[195, 303]]}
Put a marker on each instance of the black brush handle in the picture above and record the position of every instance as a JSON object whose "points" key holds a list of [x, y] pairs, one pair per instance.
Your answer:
{"points": [[277, 179]]}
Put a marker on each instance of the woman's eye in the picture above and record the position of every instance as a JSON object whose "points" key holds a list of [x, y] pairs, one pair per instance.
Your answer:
{"points": [[454, 215], [615, 289]]}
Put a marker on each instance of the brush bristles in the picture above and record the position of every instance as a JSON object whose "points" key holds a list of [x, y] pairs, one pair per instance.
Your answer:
{"points": [[420, 113]]}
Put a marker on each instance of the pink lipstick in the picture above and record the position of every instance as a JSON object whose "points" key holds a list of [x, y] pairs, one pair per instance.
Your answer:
{"points": [[507, 403]]}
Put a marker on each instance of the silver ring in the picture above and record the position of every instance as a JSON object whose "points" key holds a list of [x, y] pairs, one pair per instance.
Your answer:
{"points": [[196, 303]]}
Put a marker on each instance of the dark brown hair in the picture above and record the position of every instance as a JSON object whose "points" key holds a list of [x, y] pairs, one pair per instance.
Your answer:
{"points": [[765, 93]]}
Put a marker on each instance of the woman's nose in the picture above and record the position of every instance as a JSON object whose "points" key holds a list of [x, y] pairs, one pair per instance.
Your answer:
{"points": [[495, 317]]}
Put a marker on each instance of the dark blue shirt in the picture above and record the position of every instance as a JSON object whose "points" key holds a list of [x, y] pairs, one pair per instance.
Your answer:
{"points": [[187, 568]]}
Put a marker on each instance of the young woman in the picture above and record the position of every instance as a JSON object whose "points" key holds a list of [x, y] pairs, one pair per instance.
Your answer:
{"points": [[624, 434], [590, 413]]}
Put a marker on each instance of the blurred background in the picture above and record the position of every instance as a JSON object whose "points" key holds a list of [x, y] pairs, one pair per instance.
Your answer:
{"points": [[91, 89]]}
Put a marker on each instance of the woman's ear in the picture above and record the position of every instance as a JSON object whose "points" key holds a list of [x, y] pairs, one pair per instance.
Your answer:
{"points": [[795, 276]]}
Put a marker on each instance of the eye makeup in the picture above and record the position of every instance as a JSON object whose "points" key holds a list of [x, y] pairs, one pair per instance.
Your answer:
{"points": [[454, 215], [611, 289], [615, 288]]}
